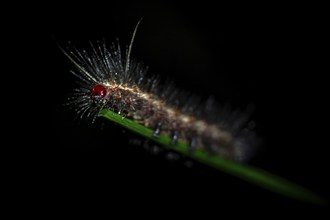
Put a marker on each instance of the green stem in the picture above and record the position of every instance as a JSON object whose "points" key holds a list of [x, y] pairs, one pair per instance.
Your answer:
{"points": [[249, 173]]}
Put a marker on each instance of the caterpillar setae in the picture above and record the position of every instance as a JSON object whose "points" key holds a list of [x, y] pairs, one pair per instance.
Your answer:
{"points": [[109, 79]]}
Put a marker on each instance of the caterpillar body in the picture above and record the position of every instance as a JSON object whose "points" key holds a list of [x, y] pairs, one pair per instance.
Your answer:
{"points": [[111, 80]]}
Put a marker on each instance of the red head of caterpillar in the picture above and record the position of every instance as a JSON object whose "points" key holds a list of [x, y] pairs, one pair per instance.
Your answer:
{"points": [[98, 92], [110, 81]]}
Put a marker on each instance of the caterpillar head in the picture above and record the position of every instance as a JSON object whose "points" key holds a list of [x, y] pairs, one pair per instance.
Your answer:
{"points": [[97, 93]]}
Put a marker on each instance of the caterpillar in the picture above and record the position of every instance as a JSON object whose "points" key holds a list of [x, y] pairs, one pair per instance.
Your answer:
{"points": [[109, 79]]}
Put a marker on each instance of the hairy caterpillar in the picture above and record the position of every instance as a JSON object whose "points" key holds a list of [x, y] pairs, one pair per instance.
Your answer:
{"points": [[110, 80]]}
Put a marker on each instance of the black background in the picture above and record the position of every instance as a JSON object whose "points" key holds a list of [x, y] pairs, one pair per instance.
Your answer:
{"points": [[239, 58]]}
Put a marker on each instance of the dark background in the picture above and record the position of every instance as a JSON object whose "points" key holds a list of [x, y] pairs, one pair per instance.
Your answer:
{"points": [[240, 58]]}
